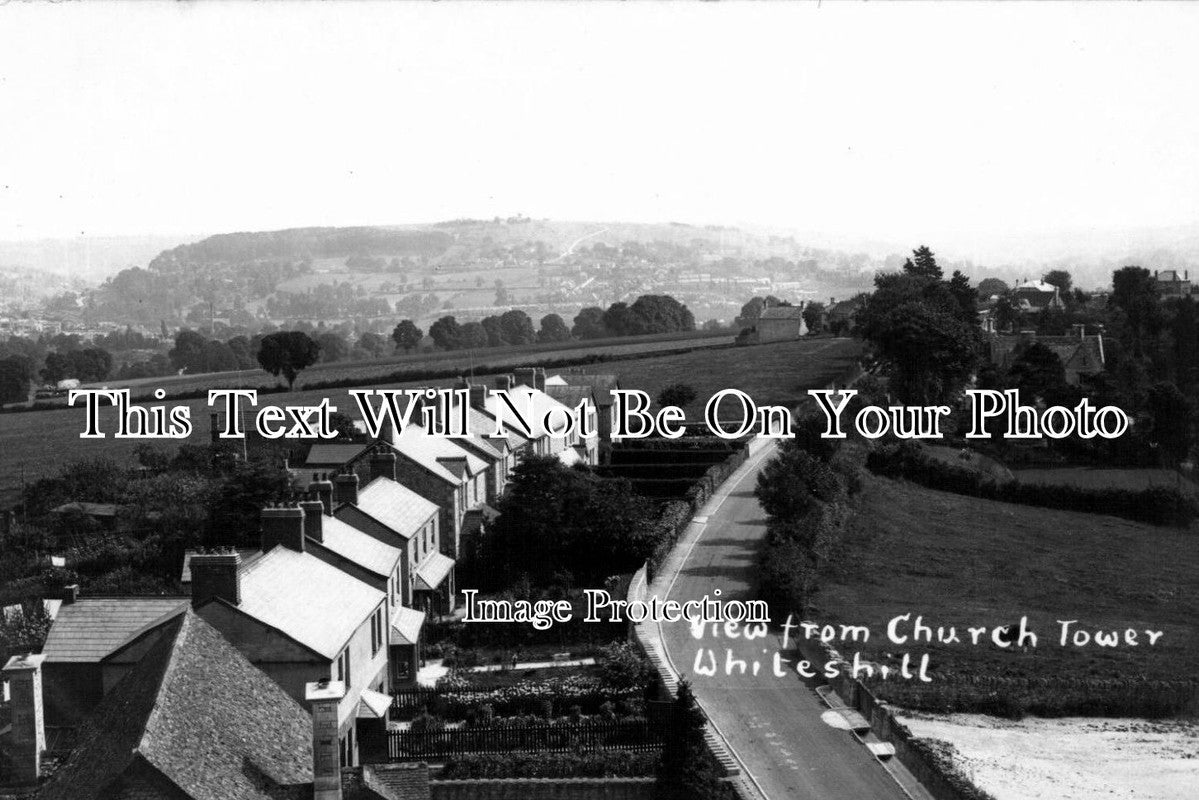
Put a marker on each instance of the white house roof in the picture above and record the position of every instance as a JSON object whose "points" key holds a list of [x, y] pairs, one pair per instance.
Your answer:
{"points": [[537, 403], [437, 454], [396, 506], [1039, 286], [358, 547], [313, 602], [405, 625], [432, 571]]}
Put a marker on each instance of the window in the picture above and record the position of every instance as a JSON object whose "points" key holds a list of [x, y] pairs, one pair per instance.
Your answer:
{"points": [[343, 667], [377, 630]]}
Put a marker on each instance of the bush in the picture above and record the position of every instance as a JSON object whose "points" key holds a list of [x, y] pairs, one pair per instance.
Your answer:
{"points": [[1158, 505], [622, 666], [593, 764]]}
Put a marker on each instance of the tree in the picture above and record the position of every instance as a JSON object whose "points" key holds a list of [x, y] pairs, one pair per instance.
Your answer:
{"points": [[813, 316], [677, 394], [289, 353], [686, 771], [446, 333], [56, 368], [333, 346], [1037, 373], [517, 327], [1172, 418], [619, 320], [929, 354], [589, 324], [1061, 279], [661, 313], [923, 264], [989, 287], [1134, 292], [16, 378], [188, 352], [242, 351], [472, 335], [343, 424], [406, 335], [553, 329], [372, 344], [966, 297]]}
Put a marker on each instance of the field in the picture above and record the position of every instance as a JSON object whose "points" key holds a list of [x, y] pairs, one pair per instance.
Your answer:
{"points": [[962, 562], [39, 443], [1106, 478], [1071, 758]]}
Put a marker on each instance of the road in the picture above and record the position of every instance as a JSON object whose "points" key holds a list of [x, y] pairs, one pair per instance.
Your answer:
{"points": [[773, 725]]}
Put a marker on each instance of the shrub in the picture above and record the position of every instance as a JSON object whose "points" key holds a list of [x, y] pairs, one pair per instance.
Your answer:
{"points": [[622, 666], [593, 764]]}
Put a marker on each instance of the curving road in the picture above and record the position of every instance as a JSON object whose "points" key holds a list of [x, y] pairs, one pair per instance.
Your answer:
{"points": [[774, 725]]}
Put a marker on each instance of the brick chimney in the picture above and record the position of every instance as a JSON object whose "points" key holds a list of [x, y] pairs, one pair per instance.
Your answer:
{"points": [[70, 594], [322, 487], [540, 378], [478, 397], [283, 525], [345, 488], [383, 464], [216, 575], [526, 376], [314, 517], [324, 697], [27, 739], [503, 382]]}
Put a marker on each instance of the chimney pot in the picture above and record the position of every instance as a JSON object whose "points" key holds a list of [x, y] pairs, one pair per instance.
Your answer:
{"points": [[70, 594]]}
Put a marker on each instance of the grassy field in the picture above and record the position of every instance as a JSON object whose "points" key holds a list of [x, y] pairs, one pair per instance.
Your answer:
{"points": [[1089, 478], [959, 561], [39, 443]]}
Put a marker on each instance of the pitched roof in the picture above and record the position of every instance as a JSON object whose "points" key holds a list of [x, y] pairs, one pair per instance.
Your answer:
{"points": [[571, 396], [314, 603], [198, 713], [352, 544], [432, 570], [602, 384], [406, 624], [396, 506], [483, 423], [321, 455], [248, 556], [433, 453], [793, 313], [522, 397], [93, 627]]}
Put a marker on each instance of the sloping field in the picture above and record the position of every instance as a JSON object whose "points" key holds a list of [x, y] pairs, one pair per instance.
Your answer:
{"points": [[960, 561], [39, 443], [1089, 478]]}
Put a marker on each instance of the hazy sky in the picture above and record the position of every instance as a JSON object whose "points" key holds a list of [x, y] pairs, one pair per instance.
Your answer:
{"points": [[878, 120]]}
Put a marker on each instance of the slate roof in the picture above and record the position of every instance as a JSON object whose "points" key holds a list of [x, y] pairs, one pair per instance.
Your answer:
{"points": [[325, 455], [432, 570], [782, 312], [432, 453], [198, 714], [358, 547], [405, 625], [396, 506], [602, 384], [483, 423], [93, 627], [248, 556], [314, 603], [571, 396], [538, 402]]}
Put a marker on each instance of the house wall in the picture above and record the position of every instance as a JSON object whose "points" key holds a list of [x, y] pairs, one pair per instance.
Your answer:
{"points": [[446, 496], [70, 691], [778, 330], [367, 670], [288, 663]]}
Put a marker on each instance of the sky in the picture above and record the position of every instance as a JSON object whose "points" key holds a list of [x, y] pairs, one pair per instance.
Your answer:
{"points": [[875, 120]]}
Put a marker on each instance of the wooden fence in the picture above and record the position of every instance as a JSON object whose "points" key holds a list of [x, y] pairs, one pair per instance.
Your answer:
{"points": [[640, 736]]}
